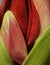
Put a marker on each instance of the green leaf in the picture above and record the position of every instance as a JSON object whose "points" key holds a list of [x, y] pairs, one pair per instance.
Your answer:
{"points": [[40, 53]]}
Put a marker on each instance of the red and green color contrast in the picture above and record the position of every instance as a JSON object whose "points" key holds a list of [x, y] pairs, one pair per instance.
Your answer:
{"points": [[24, 32]]}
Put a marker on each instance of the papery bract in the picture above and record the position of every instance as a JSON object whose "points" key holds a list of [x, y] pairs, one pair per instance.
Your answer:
{"points": [[5, 57], [13, 37]]}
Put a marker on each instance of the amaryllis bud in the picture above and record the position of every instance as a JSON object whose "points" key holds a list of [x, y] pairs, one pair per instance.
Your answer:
{"points": [[13, 38]]}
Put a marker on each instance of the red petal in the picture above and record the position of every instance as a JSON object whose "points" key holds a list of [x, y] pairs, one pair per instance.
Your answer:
{"points": [[18, 7], [33, 24], [3, 7]]}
